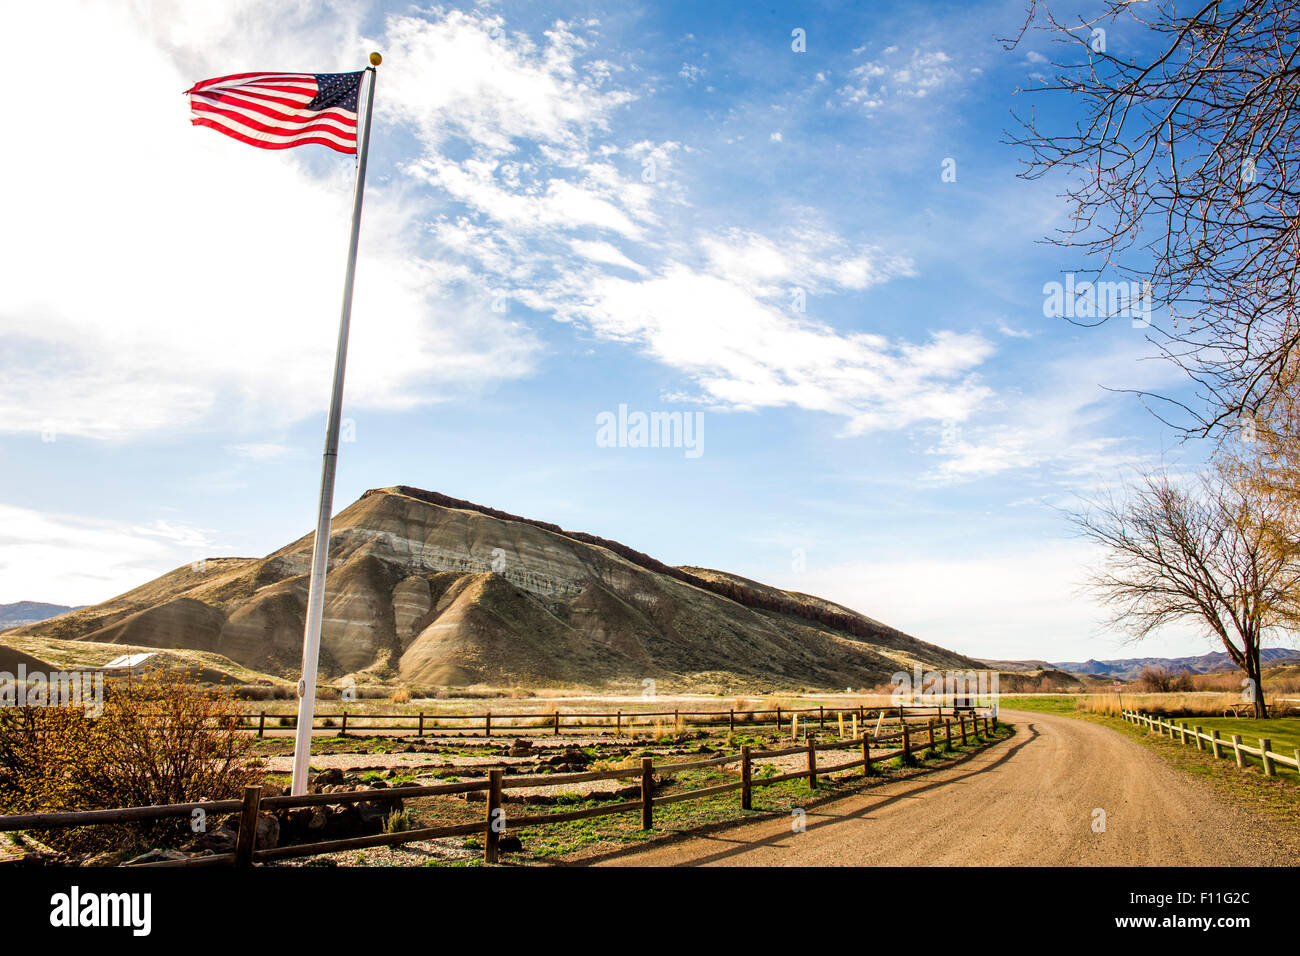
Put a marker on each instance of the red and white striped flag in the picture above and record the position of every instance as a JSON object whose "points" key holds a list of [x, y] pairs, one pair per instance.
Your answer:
{"points": [[281, 110]]}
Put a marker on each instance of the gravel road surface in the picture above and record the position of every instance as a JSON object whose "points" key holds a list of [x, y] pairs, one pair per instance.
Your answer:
{"points": [[1028, 801]]}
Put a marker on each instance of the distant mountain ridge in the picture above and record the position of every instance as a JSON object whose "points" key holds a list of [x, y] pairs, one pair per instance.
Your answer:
{"points": [[1129, 668], [29, 612]]}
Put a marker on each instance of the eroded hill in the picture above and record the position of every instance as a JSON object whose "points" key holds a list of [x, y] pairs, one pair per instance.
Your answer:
{"points": [[428, 590]]}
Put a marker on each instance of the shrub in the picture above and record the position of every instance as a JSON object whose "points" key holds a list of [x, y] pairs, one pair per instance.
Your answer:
{"points": [[155, 742], [399, 821], [1161, 680]]}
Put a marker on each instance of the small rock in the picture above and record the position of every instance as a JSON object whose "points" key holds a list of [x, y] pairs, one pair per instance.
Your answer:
{"points": [[268, 832], [157, 856], [331, 776], [510, 843], [108, 858], [220, 840]]}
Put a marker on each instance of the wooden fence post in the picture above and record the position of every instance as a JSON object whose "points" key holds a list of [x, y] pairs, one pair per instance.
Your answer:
{"points": [[618, 724], [487, 724], [557, 723], [778, 720], [1264, 745], [261, 724], [647, 793], [246, 840], [1216, 744], [420, 732], [1182, 732], [731, 721], [962, 719], [929, 725], [821, 717], [812, 762], [492, 836], [907, 746], [1200, 744], [1236, 745], [746, 780], [866, 753], [947, 734], [343, 731]]}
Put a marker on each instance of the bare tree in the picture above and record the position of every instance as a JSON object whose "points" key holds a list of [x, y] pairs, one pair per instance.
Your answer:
{"points": [[1198, 552], [1183, 171]]}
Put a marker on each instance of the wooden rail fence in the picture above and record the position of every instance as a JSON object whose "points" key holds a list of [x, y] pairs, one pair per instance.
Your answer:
{"points": [[556, 723], [1216, 744], [972, 726]]}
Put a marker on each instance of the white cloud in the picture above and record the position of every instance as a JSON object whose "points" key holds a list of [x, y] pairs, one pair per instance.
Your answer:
{"points": [[1012, 604], [690, 72], [162, 271], [215, 299], [465, 76], [747, 354], [816, 260], [559, 204], [1068, 422], [68, 559], [892, 79], [604, 252], [714, 307], [259, 451]]}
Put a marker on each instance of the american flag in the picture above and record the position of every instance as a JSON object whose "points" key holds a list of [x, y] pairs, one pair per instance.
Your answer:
{"points": [[280, 110]]}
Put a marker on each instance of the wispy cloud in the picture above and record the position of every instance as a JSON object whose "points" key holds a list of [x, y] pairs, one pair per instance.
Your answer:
{"points": [[221, 290], [535, 183], [71, 559], [896, 78]]}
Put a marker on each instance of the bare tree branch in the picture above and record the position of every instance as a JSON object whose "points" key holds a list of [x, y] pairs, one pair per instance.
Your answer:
{"points": [[1183, 171]]}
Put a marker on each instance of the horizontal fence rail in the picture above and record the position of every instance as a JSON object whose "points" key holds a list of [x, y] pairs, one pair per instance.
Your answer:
{"points": [[911, 737], [1215, 743], [555, 723]]}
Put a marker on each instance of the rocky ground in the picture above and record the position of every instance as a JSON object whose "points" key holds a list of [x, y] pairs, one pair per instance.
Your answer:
{"points": [[383, 765]]}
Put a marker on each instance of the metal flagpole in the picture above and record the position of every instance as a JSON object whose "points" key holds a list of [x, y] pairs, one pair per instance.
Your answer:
{"points": [[321, 549]]}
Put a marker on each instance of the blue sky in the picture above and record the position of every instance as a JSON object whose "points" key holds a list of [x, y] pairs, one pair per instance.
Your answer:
{"points": [[571, 207]]}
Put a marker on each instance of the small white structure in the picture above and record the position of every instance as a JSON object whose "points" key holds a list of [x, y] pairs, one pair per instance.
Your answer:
{"points": [[126, 664]]}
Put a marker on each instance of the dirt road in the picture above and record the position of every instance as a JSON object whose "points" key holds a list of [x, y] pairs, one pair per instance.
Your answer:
{"points": [[1027, 801]]}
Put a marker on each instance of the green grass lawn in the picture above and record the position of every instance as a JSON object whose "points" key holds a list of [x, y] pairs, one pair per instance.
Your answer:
{"points": [[1282, 732], [1063, 704]]}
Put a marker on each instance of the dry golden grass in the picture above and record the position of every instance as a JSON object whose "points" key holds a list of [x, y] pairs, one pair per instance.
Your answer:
{"points": [[1198, 704]]}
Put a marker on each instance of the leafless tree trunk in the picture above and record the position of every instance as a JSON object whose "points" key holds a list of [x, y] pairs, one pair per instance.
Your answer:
{"points": [[1198, 551], [1182, 168]]}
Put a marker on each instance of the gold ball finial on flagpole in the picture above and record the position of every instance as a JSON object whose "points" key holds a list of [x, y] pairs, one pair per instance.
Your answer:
{"points": [[376, 59]]}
